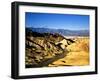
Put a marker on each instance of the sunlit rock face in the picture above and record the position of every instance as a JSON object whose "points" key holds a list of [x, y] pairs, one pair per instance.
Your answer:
{"points": [[41, 47], [47, 49]]}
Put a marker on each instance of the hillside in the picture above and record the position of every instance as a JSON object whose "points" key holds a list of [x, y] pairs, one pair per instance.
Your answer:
{"points": [[44, 48], [53, 49]]}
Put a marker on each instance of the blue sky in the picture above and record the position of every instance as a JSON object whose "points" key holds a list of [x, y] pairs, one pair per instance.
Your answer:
{"points": [[57, 21]]}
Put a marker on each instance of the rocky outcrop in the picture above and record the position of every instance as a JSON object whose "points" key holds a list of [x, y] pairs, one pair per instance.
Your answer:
{"points": [[43, 48]]}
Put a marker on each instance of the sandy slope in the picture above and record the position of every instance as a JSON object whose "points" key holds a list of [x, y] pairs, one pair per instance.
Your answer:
{"points": [[78, 54]]}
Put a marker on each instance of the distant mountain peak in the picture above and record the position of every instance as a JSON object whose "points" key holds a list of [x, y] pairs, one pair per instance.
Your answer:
{"points": [[64, 32]]}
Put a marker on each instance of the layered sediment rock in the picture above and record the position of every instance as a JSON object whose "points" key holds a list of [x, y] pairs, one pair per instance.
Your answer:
{"points": [[43, 48]]}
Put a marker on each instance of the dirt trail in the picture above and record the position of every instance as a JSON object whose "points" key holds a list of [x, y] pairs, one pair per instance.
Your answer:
{"points": [[51, 60]]}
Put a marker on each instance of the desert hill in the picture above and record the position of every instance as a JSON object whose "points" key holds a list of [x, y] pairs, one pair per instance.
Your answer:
{"points": [[44, 48]]}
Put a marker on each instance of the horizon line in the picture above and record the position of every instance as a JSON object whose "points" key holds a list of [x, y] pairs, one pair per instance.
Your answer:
{"points": [[60, 28]]}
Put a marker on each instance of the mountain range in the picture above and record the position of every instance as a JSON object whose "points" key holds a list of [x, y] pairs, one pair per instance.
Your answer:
{"points": [[64, 32]]}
